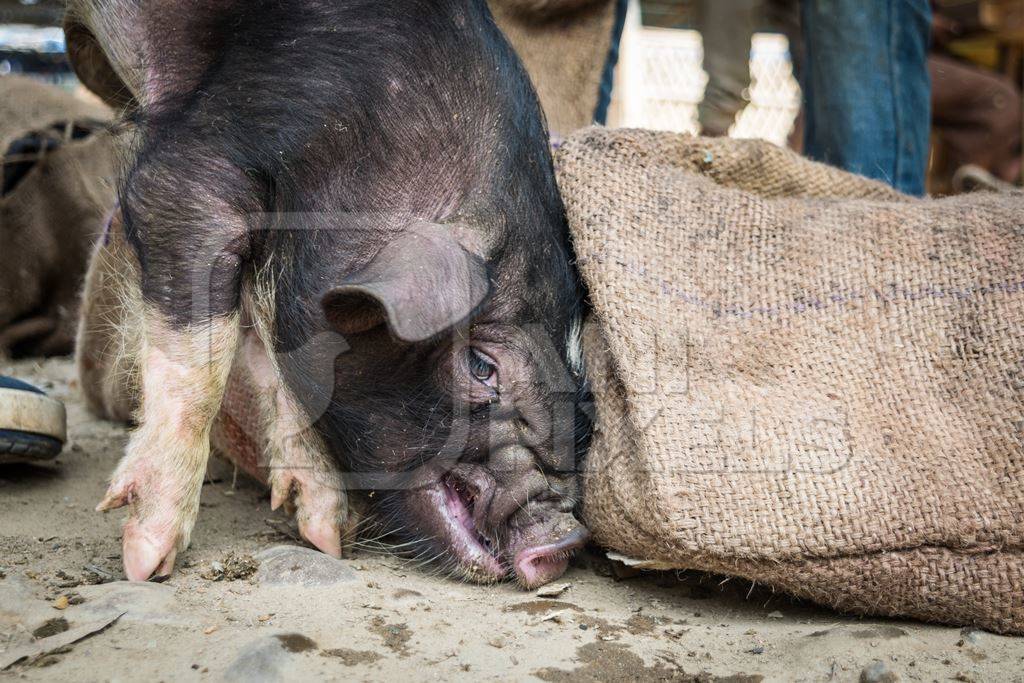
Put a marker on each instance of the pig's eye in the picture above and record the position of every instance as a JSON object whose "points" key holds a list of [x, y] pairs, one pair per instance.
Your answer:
{"points": [[482, 367]]}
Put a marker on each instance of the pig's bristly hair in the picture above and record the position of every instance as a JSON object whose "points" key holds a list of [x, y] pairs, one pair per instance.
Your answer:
{"points": [[222, 144]]}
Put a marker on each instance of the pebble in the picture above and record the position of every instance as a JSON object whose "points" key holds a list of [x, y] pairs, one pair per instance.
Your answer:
{"points": [[147, 602], [264, 660], [877, 672], [18, 604], [969, 634], [559, 616], [289, 565], [552, 590]]}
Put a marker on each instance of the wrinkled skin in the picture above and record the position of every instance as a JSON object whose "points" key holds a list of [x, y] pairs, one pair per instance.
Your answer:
{"points": [[384, 164], [478, 461]]}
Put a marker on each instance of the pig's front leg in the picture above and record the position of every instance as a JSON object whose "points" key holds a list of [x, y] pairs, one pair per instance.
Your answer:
{"points": [[301, 473], [306, 481], [183, 370]]}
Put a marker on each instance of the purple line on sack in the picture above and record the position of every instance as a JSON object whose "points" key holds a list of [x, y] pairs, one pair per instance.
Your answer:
{"points": [[892, 293]]}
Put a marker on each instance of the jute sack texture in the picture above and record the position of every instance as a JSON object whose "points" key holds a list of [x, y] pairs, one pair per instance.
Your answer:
{"points": [[51, 213], [803, 377], [564, 46]]}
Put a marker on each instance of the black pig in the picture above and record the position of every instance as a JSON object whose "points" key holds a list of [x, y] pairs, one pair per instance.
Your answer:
{"points": [[340, 242]]}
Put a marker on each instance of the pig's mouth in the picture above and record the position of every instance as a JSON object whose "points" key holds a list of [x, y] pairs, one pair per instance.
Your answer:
{"points": [[533, 545], [474, 551]]}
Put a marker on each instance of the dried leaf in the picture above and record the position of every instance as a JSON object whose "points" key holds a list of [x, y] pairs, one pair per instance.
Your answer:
{"points": [[55, 642]]}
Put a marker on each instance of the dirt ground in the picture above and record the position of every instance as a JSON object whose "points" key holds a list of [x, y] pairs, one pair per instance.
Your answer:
{"points": [[247, 602]]}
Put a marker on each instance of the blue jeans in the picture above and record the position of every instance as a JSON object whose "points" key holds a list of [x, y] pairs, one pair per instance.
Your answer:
{"points": [[604, 96], [866, 87], [865, 83]]}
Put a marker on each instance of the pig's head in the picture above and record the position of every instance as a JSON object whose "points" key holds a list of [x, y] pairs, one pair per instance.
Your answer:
{"points": [[435, 243], [455, 400]]}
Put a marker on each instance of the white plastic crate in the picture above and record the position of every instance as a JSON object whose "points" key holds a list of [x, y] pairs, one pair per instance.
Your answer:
{"points": [[661, 80], [774, 93]]}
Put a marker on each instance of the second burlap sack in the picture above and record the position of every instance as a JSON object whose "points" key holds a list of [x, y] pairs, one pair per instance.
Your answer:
{"points": [[57, 165], [803, 377]]}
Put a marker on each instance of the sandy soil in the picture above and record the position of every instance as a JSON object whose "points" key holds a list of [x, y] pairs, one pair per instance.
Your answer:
{"points": [[377, 617]]}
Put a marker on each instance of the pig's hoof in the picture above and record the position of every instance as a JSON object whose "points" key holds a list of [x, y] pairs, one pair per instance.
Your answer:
{"points": [[320, 507], [158, 526], [147, 555]]}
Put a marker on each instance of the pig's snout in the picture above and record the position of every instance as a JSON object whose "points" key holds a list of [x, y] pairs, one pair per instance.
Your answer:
{"points": [[540, 564], [533, 542]]}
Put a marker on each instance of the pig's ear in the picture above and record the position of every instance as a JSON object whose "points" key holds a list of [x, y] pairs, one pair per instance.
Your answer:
{"points": [[92, 66], [421, 284], [145, 51]]}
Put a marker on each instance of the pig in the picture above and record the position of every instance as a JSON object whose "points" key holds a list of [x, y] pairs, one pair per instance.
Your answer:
{"points": [[339, 254]]}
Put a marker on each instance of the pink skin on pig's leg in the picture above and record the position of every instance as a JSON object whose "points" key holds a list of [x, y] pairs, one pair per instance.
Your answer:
{"points": [[302, 475], [183, 373], [315, 495]]}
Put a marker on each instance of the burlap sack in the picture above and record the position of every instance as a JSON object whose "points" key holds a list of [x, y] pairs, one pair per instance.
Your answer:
{"points": [[802, 377], [564, 46], [58, 170]]}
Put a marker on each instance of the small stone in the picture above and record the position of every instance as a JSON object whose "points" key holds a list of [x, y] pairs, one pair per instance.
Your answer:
{"points": [[149, 602], [559, 617], [552, 590], [61, 602], [969, 634], [261, 661], [775, 615], [264, 617], [759, 650], [209, 629], [287, 565], [877, 672]]}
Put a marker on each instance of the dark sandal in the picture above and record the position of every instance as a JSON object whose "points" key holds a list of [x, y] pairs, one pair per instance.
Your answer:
{"points": [[33, 426]]}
